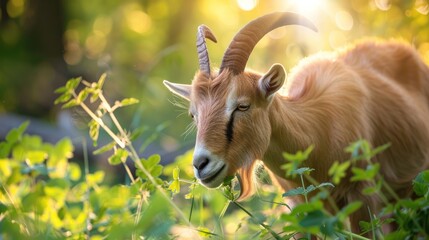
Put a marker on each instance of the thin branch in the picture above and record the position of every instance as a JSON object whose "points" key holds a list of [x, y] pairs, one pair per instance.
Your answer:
{"points": [[87, 192]]}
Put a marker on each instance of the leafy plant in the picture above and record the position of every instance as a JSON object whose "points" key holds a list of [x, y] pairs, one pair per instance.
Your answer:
{"points": [[45, 195]]}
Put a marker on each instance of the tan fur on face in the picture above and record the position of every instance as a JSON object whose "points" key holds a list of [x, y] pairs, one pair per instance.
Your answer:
{"points": [[209, 102], [378, 91]]}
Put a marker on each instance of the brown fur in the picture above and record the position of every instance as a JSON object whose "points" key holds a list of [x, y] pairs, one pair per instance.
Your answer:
{"points": [[378, 91]]}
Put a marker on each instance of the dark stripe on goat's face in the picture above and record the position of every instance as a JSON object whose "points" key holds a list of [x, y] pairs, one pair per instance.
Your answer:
{"points": [[230, 128]]}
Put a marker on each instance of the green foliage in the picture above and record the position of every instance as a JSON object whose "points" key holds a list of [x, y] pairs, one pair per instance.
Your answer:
{"points": [[45, 196]]}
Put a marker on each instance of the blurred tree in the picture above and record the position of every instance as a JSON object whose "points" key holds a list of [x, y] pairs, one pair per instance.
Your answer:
{"points": [[32, 61]]}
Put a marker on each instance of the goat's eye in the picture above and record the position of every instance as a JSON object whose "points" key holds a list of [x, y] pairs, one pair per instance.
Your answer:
{"points": [[243, 107], [191, 115]]}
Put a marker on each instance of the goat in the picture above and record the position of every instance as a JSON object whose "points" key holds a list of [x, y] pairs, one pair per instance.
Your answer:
{"points": [[373, 90]]}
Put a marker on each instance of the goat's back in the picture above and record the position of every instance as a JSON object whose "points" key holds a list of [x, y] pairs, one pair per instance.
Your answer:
{"points": [[395, 60], [383, 89]]}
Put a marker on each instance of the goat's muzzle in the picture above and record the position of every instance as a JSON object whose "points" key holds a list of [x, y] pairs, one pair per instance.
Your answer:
{"points": [[209, 169]]}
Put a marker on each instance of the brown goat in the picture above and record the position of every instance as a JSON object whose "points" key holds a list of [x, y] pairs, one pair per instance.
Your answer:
{"points": [[378, 91]]}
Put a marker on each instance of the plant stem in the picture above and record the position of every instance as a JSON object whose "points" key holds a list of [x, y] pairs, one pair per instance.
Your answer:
{"points": [[268, 228], [306, 198], [112, 116], [138, 214], [87, 192], [136, 160], [353, 235], [303, 187], [127, 169], [330, 199], [101, 123], [134, 156]]}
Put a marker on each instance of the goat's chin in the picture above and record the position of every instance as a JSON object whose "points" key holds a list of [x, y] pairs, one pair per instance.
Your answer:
{"points": [[216, 180]]}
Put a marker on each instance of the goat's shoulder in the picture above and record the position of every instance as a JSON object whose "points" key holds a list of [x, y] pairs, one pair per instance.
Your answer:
{"points": [[320, 74]]}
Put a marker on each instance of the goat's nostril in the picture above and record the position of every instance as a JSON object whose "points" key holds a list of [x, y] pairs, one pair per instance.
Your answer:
{"points": [[201, 163]]}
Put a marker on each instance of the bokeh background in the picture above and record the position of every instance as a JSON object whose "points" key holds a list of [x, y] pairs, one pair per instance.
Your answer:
{"points": [[139, 43]]}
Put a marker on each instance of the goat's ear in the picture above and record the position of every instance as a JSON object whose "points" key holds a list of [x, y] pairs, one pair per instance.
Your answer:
{"points": [[181, 90], [272, 81]]}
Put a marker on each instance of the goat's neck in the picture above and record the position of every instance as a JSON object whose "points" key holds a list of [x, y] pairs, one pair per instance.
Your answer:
{"points": [[293, 128]]}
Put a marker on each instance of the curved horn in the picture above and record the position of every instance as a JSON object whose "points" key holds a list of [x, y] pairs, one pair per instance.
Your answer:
{"points": [[203, 56], [238, 51]]}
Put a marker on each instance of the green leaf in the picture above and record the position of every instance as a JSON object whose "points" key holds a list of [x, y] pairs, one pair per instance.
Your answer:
{"points": [[73, 83], [94, 129], [301, 171], [366, 226], [373, 189], [101, 80], [156, 171], [380, 149], [63, 98], [152, 161], [151, 165], [174, 186], [307, 207], [64, 148], [128, 101], [105, 148], [365, 174], [325, 184], [5, 148], [77, 192], [309, 189], [314, 218], [3, 208], [421, 183], [74, 172], [62, 89], [227, 181], [95, 178], [349, 209], [176, 172], [295, 160], [205, 232], [81, 97], [358, 150], [71, 103], [94, 96], [294, 192], [18, 153], [36, 156], [120, 156], [15, 134], [5, 169], [338, 171], [57, 189]]}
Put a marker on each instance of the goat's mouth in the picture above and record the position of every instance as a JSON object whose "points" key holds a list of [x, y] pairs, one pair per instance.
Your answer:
{"points": [[215, 179]]}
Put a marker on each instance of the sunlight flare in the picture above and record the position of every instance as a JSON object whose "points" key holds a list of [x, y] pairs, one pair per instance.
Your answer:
{"points": [[247, 5]]}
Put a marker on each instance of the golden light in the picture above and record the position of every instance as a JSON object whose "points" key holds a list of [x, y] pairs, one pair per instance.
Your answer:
{"points": [[102, 25], [247, 5], [95, 44], [422, 7], [15, 8], [307, 7], [424, 51], [337, 38], [383, 5], [138, 21], [344, 20]]}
